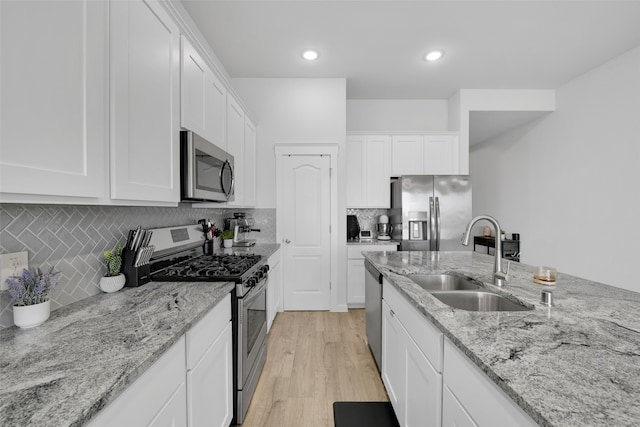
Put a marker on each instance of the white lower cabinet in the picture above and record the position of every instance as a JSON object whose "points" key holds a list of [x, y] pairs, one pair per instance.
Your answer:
{"points": [[414, 385], [274, 288], [479, 397], [210, 368], [157, 398], [355, 271]]}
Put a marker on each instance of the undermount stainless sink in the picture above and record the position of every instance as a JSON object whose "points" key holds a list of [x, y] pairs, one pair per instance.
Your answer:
{"points": [[478, 301], [444, 282]]}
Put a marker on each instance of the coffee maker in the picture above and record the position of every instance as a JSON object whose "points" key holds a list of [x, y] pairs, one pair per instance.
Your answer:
{"points": [[383, 228], [241, 226]]}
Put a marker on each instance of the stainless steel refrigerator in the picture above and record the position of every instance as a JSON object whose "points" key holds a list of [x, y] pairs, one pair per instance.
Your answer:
{"points": [[430, 212]]}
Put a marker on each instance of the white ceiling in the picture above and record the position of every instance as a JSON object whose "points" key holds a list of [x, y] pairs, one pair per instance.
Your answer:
{"points": [[379, 45]]}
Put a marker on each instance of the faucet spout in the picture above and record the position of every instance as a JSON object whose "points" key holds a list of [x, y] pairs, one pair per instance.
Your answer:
{"points": [[499, 278]]}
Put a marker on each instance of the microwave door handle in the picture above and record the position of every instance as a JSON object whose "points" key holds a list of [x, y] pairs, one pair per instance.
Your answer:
{"points": [[224, 190]]}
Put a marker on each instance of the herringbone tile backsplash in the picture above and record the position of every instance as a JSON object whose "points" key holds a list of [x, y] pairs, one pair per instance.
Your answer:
{"points": [[73, 239]]}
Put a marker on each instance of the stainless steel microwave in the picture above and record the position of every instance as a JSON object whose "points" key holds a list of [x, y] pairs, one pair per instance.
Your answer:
{"points": [[206, 171]]}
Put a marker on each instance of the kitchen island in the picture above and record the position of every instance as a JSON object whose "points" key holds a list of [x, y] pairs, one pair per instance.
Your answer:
{"points": [[576, 363]]}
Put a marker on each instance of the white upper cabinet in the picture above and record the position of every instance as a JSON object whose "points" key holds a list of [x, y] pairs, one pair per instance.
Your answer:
{"points": [[204, 97], [428, 154], [53, 107], [145, 102], [235, 146], [250, 163], [368, 171]]}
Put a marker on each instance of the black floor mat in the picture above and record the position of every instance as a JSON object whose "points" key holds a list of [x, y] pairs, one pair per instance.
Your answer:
{"points": [[364, 414]]}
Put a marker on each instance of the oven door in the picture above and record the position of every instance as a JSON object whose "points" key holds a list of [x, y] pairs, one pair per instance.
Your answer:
{"points": [[252, 328], [207, 171]]}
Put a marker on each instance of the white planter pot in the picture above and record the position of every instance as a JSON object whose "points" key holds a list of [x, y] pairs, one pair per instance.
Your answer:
{"points": [[227, 243], [28, 316], [112, 283]]}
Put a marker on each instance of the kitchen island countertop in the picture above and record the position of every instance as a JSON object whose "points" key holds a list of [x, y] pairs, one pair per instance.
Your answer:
{"points": [[574, 364]]}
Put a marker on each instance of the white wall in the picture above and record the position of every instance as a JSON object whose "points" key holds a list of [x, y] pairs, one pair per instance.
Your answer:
{"points": [[301, 111], [569, 183], [384, 115]]}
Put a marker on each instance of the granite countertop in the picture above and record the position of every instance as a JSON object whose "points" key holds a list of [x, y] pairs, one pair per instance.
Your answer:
{"points": [[264, 249], [574, 364], [63, 372], [371, 242]]}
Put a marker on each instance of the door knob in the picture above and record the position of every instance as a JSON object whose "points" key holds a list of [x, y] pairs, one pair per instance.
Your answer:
{"points": [[287, 241]]}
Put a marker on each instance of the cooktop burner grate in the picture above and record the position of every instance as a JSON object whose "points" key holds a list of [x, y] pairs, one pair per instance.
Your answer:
{"points": [[209, 267]]}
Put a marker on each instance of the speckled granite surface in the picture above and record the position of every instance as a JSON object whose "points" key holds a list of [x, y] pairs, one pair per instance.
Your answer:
{"points": [[574, 364]]}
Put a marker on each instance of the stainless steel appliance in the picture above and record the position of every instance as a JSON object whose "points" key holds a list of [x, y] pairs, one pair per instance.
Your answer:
{"points": [[430, 212], [179, 257], [373, 310], [206, 171], [241, 225]]}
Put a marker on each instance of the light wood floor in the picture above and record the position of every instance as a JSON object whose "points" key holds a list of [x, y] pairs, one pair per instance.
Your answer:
{"points": [[314, 359]]}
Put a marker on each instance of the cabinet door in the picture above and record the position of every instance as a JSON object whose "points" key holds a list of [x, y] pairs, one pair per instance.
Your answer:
{"points": [[355, 285], [249, 163], [377, 171], [356, 193], [203, 106], [53, 108], [145, 102], [192, 89], [393, 361], [210, 386], [273, 291], [173, 414], [441, 155], [424, 389], [235, 147], [453, 414], [407, 155]]}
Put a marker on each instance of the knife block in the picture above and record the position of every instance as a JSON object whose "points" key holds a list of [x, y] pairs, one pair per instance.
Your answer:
{"points": [[136, 276]]}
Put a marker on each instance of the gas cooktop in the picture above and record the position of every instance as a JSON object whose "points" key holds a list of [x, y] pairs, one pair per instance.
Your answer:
{"points": [[209, 268]]}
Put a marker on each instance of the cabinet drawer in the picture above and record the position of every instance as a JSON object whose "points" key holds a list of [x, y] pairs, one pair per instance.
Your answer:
{"points": [[204, 333], [427, 337]]}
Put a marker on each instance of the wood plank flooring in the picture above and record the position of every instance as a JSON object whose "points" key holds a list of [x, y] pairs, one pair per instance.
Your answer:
{"points": [[314, 358]]}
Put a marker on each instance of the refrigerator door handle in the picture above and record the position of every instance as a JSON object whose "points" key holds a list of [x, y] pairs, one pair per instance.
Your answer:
{"points": [[432, 225], [437, 223]]}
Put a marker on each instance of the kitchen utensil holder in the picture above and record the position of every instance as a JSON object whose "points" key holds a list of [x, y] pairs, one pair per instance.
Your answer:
{"points": [[136, 276]]}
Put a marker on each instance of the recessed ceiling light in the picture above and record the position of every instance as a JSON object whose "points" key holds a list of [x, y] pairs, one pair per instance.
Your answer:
{"points": [[310, 55], [434, 55]]}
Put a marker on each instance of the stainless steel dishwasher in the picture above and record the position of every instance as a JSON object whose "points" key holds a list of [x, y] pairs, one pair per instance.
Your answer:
{"points": [[373, 310]]}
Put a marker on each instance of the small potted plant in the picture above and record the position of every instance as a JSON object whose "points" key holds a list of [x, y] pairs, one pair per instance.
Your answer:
{"points": [[114, 280], [30, 293], [503, 234], [227, 238]]}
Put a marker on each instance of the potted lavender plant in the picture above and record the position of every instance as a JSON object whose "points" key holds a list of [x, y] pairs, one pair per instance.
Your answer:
{"points": [[30, 296], [114, 280]]}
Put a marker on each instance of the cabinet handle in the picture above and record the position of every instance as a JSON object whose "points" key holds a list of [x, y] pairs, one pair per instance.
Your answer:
{"points": [[393, 313], [287, 241]]}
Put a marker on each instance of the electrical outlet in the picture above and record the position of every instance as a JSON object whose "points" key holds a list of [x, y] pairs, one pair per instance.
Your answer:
{"points": [[12, 265]]}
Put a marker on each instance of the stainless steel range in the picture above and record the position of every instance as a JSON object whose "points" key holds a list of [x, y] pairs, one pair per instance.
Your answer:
{"points": [[179, 257]]}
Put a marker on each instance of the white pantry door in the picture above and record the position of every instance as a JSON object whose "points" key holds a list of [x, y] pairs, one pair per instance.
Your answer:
{"points": [[307, 222]]}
